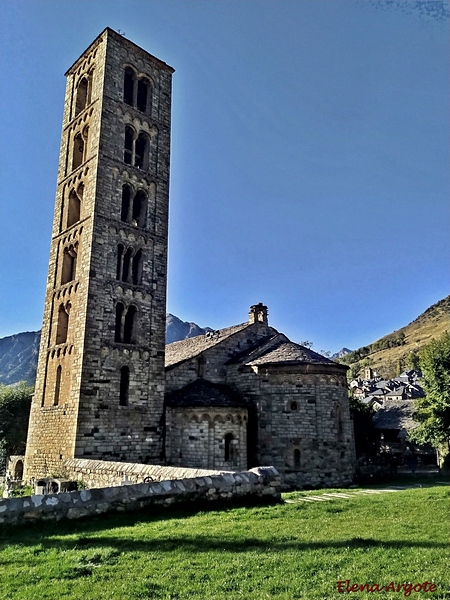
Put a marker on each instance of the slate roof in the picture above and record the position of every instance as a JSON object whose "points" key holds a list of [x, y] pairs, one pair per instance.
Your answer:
{"points": [[264, 352], [183, 350], [399, 391], [204, 393], [395, 414], [287, 352]]}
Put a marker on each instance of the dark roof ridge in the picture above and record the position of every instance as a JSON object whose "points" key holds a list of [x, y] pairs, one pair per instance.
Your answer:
{"points": [[291, 352], [259, 348], [178, 352]]}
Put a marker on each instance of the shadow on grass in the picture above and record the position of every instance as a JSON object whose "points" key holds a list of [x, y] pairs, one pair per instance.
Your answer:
{"points": [[79, 533], [200, 544], [34, 532]]}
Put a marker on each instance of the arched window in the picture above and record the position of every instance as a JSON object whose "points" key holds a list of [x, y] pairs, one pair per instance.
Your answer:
{"points": [[78, 151], [124, 386], [201, 362], [229, 448], [125, 328], [128, 150], [73, 209], [297, 458], [120, 309], [140, 208], [69, 266], [137, 268], [126, 268], [142, 151], [120, 249], [143, 89], [126, 200], [128, 86], [129, 325], [63, 324], [57, 386], [18, 470], [82, 99]]}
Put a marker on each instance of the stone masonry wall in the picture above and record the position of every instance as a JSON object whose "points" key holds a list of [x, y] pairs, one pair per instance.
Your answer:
{"points": [[262, 482], [198, 437], [102, 473], [106, 428], [78, 407], [303, 425]]}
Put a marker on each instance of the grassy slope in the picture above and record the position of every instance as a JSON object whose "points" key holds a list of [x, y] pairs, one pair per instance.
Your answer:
{"points": [[428, 326], [284, 551]]}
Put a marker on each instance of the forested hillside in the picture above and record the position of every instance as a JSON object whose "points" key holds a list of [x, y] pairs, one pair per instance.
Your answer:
{"points": [[396, 351]]}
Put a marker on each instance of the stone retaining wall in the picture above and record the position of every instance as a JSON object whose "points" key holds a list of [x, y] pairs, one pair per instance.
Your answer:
{"points": [[103, 473], [262, 482]]}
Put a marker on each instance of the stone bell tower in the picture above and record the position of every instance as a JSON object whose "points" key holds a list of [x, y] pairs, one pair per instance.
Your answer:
{"points": [[100, 380]]}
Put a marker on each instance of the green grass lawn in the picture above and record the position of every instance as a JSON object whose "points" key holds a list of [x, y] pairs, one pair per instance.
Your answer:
{"points": [[286, 551]]}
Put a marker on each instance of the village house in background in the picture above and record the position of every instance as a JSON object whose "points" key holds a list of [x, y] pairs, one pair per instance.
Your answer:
{"points": [[229, 399], [393, 403]]}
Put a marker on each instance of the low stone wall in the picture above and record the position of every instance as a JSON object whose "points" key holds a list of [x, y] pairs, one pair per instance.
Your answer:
{"points": [[102, 473], [261, 482]]}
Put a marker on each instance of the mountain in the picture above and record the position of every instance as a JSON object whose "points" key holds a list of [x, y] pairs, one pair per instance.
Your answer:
{"points": [[340, 354], [389, 355], [176, 329], [19, 352], [18, 357]]}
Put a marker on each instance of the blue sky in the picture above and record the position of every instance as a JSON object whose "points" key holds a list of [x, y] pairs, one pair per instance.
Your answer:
{"points": [[310, 153]]}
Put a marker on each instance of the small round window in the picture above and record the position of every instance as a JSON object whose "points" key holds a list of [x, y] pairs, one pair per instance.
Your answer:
{"points": [[294, 406]]}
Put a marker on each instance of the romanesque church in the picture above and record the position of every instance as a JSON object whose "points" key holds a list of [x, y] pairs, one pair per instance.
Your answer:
{"points": [[107, 387]]}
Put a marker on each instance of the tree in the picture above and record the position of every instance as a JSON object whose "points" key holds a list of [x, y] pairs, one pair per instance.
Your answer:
{"points": [[15, 403], [413, 360], [365, 434], [433, 411]]}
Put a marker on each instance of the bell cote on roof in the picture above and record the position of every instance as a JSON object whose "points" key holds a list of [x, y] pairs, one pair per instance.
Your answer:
{"points": [[258, 314]]}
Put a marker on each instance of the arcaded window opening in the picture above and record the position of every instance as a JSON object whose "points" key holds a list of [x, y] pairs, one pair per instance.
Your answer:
{"points": [[137, 268], [125, 327], [124, 386], [128, 86], [142, 152], [69, 266], [78, 151], [128, 150], [120, 249], [143, 89], [139, 209], [82, 99], [126, 268], [129, 325], [229, 447], [73, 209], [126, 202], [57, 386], [120, 310], [63, 325], [297, 457]]}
